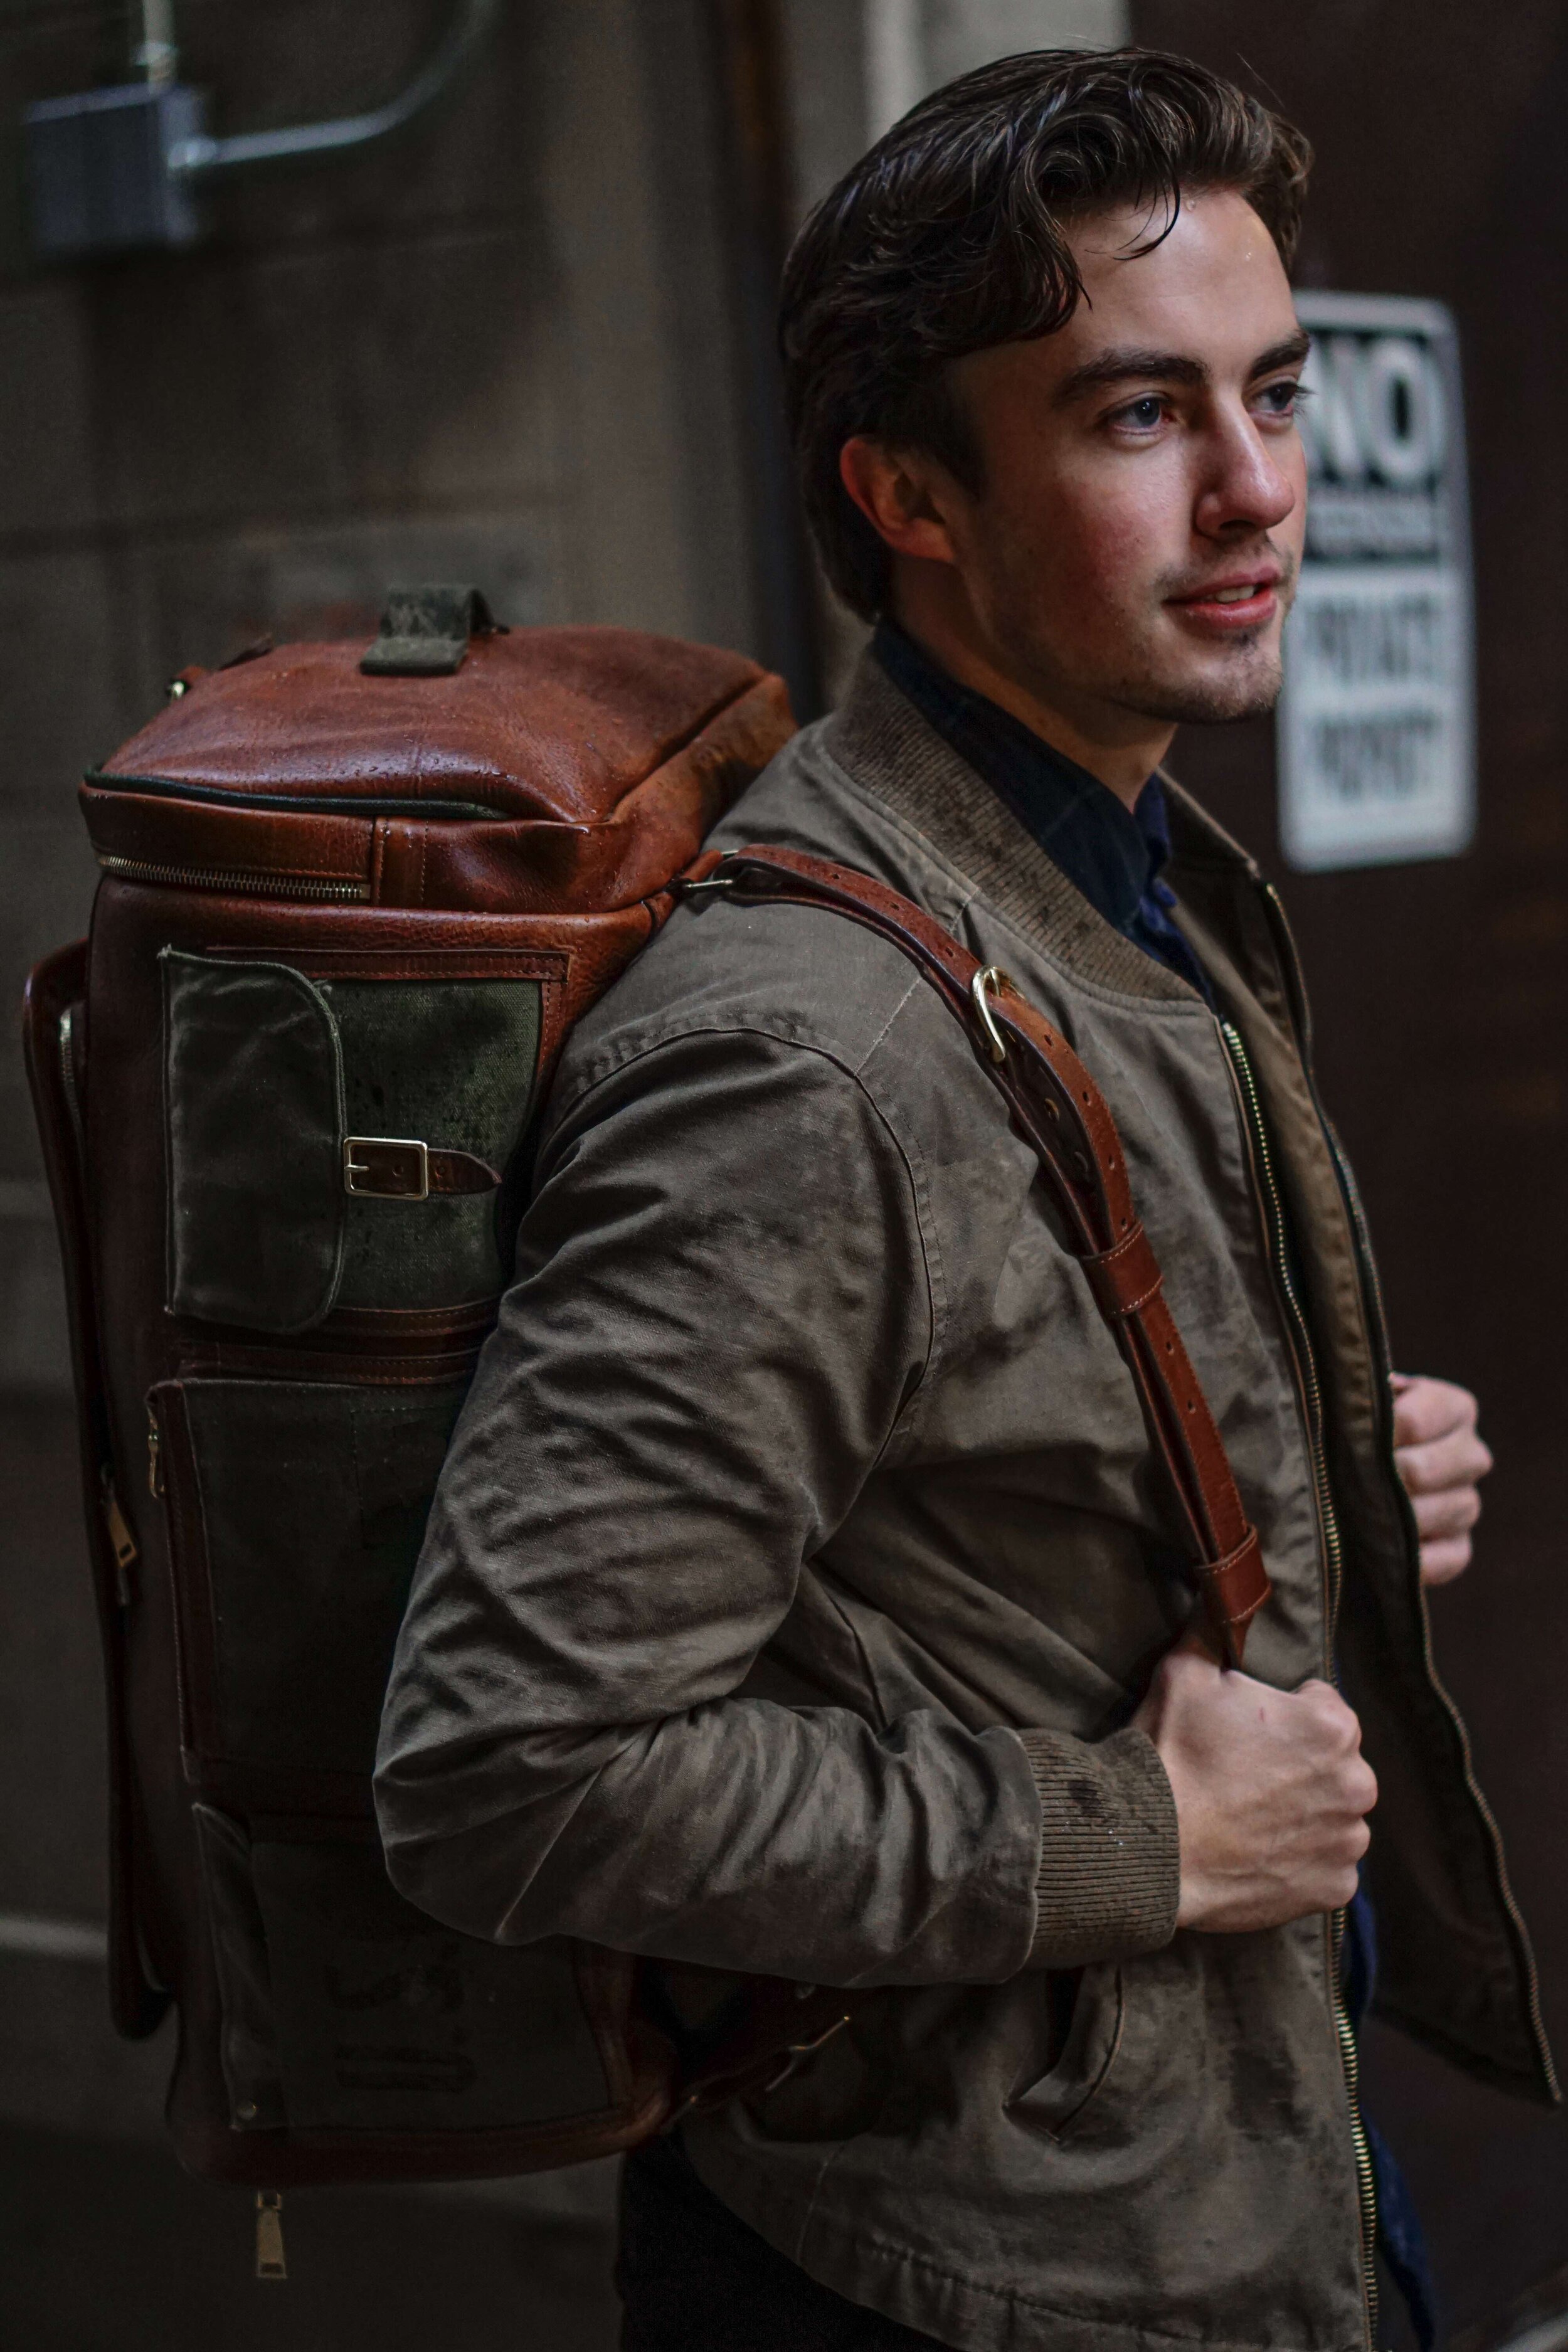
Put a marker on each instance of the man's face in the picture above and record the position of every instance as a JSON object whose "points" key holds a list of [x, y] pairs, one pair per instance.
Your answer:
{"points": [[1135, 547]]}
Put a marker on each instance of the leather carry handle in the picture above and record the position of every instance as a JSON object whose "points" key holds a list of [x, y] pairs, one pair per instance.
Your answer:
{"points": [[1061, 1113]]}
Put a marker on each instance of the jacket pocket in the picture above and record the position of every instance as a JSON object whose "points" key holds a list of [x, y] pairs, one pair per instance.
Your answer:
{"points": [[1081, 2018]]}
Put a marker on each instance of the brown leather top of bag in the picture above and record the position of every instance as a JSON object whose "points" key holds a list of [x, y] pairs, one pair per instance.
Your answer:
{"points": [[545, 723], [502, 771]]}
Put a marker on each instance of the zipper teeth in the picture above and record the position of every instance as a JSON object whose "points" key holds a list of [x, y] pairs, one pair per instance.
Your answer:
{"points": [[243, 882], [66, 1041], [1306, 1369], [1366, 2180]]}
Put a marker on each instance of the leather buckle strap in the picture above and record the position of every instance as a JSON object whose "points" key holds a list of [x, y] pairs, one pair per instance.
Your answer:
{"points": [[402, 1168], [1124, 1279]]}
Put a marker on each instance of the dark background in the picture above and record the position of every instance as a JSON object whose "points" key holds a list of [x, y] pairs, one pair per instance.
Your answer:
{"points": [[521, 348], [1440, 990]]}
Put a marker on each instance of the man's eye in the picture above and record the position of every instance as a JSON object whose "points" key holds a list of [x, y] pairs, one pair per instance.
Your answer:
{"points": [[1142, 416], [1283, 399]]}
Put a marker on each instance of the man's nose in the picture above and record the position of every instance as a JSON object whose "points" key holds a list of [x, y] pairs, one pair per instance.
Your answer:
{"points": [[1245, 485]]}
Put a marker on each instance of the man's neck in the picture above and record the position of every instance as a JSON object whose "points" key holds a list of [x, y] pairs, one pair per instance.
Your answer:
{"points": [[1118, 747]]}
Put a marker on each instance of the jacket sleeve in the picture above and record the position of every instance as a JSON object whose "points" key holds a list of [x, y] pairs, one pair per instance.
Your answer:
{"points": [[721, 1307]]}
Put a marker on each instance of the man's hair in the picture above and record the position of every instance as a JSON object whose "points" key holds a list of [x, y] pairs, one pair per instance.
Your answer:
{"points": [[949, 236]]}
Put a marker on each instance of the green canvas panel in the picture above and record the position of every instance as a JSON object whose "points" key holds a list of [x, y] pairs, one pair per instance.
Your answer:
{"points": [[449, 1063], [253, 1111], [314, 1497], [388, 2021]]}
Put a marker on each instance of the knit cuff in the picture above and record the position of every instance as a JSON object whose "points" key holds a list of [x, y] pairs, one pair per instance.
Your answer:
{"points": [[1110, 1874]]}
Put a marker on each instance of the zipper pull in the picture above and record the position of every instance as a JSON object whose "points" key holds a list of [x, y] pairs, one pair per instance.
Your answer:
{"points": [[122, 1540], [154, 1463], [270, 2262]]}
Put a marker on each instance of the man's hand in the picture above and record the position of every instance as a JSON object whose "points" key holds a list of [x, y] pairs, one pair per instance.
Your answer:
{"points": [[1271, 1793], [1440, 1459]]}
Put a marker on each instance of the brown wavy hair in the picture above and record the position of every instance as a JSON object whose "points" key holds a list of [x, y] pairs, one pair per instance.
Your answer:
{"points": [[951, 235]]}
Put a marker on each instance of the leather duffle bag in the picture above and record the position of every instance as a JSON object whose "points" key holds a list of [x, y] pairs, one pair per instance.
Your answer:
{"points": [[353, 898]]}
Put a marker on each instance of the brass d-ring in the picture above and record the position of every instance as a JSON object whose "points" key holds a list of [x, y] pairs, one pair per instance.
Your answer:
{"points": [[990, 975]]}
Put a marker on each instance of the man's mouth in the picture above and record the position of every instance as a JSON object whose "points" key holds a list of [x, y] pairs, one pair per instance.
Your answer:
{"points": [[1234, 604]]}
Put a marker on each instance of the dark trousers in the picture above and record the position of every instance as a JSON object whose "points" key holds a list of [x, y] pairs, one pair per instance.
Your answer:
{"points": [[692, 2278]]}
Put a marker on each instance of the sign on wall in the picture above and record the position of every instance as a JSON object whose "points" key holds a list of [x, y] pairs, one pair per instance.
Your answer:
{"points": [[1376, 725]]}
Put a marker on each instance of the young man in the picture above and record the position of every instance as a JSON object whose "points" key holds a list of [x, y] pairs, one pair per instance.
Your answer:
{"points": [[801, 1596]]}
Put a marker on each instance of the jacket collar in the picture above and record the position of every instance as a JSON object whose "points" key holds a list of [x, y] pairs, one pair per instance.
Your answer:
{"points": [[888, 749]]}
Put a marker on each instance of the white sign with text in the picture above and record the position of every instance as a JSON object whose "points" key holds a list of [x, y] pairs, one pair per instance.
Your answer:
{"points": [[1376, 728]]}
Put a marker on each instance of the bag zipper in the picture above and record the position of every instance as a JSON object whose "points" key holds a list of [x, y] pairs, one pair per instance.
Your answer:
{"points": [[121, 1542], [238, 880], [408, 806], [1382, 1364], [1305, 1367]]}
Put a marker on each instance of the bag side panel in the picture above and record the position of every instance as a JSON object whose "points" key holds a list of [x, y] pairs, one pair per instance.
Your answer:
{"points": [[54, 1023], [329, 2031]]}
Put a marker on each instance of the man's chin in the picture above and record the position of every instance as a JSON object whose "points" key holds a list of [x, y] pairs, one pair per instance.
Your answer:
{"points": [[1249, 689]]}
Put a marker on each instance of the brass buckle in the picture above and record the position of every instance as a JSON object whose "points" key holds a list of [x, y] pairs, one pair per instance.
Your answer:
{"points": [[990, 976], [386, 1168]]}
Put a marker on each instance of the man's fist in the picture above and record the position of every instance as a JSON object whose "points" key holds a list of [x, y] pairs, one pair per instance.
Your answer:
{"points": [[1271, 1791], [1440, 1459]]}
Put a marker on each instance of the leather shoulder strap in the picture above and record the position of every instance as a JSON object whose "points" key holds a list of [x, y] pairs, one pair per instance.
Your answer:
{"points": [[1060, 1113]]}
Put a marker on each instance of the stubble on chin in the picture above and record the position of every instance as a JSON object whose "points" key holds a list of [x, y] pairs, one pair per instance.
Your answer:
{"points": [[1246, 688]]}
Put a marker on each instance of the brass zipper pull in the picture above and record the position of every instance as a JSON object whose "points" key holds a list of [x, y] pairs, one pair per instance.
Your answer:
{"points": [[270, 2262], [122, 1542], [155, 1461]]}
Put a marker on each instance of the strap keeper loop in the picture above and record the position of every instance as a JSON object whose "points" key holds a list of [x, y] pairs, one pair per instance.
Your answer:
{"points": [[1126, 1278]]}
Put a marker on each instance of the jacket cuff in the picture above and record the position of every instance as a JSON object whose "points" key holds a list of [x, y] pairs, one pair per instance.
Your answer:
{"points": [[1109, 1874]]}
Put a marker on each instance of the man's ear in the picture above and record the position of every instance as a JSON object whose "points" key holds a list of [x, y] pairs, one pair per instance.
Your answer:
{"points": [[899, 496]]}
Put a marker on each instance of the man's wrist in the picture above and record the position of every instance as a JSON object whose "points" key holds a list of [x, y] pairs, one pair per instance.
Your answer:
{"points": [[1108, 1880]]}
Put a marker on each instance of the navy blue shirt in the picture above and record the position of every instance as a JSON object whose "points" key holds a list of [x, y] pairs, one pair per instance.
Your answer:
{"points": [[1114, 855]]}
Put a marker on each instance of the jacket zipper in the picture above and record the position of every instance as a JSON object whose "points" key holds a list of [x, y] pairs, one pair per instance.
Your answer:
{"points": [[235, 880], [1383, 1362], [1306, 1370]]}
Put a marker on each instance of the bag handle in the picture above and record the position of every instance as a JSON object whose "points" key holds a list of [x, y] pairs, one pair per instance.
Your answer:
{"points": [[1061, 1113], [427, 632]]}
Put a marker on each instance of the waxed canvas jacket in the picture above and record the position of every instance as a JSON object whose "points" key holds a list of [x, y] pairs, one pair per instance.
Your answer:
{"points": [[799, 1562]]}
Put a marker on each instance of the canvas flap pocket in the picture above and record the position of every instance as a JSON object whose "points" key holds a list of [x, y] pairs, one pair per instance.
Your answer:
{"points": [[293, 1095], [296, 1509], [254, 1114], [346, 2008]]}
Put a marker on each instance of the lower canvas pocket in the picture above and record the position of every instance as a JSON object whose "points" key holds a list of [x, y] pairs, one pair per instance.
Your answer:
{"points": [[344, 2008], [297, 1510]]}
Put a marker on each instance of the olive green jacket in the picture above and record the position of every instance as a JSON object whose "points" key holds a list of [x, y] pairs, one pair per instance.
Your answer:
{"points": [[800, 1560]]}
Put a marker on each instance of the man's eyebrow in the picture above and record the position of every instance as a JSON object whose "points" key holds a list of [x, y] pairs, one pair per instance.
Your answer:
{"points": [[1123, 366], [1289, 351], [1126, 366]]}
